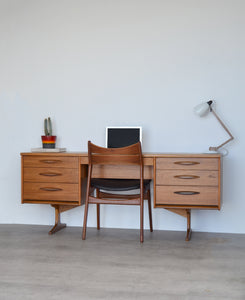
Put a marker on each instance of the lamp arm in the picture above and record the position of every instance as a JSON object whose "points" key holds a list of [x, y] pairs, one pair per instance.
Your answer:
{"points": [[225, 128]]}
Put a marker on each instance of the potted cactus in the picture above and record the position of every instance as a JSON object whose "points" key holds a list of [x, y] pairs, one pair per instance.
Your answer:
{"points": [[48, 139]]}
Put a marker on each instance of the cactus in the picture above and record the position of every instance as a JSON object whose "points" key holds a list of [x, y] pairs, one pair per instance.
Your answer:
{"points": [[48, 127]]}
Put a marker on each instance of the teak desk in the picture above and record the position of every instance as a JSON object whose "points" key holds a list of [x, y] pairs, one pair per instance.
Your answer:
{"points": [[181, 182]]}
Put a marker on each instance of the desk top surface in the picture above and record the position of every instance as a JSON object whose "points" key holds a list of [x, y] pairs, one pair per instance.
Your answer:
{"points": [[147, 154]]}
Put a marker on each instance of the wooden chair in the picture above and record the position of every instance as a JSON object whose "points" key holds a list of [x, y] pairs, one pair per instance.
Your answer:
{"points": [[106, 190]]}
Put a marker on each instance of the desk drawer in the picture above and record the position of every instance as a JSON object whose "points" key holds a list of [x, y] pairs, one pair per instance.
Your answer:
{"points": [[191, 195], [50, 161], [51, 192], [51, 175], [127, 172], [187, 177], [189, 163]]}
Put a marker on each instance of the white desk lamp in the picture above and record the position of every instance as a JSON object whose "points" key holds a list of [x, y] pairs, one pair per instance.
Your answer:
{"points": [[201, 110]]}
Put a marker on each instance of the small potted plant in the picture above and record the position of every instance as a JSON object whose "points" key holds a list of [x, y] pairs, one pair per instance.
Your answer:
{"points": [[48, 139]]}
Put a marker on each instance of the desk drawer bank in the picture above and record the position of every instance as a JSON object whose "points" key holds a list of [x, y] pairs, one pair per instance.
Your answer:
{"points": [[187, 181], [181, 182], [55, 179]]}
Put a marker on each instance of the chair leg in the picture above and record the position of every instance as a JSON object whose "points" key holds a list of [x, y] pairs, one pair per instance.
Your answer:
{"points": [[142, 221], [98, 211], [85, 218], [149, 209], [98, 216]]}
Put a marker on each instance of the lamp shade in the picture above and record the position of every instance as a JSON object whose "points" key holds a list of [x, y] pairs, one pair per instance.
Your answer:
{"points": [[202, 109]]}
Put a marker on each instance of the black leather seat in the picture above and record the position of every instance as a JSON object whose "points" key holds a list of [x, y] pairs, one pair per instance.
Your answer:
{"points": [[119, 185]]}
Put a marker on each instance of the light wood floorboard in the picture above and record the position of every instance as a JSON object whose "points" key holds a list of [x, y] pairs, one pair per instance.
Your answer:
{"points": [[112, 264]]}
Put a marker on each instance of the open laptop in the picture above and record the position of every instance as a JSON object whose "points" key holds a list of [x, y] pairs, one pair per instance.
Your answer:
{"points": [[122, 136]]}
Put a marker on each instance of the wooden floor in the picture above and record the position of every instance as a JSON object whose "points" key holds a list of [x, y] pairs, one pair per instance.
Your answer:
{"points": [[112, 264]]}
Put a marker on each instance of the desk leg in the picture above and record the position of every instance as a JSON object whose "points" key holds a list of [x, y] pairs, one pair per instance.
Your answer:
{"points": [[58, 210], [187, 214], [188, 232]]}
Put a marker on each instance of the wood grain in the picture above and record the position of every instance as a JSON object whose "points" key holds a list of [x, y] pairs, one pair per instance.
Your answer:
{"points": [[51, 175], [206, 195], [187, 163], [49, 161], [187, 177]]}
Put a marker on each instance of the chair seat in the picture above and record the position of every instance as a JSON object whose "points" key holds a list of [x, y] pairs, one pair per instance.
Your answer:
{"points": [[119, 184]]}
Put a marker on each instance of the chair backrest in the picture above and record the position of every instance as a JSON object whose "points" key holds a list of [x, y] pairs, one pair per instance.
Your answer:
{"points": [[130, 155]]}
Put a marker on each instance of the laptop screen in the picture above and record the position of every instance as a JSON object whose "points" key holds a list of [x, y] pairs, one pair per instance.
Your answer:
{"points": [[117, 137]]}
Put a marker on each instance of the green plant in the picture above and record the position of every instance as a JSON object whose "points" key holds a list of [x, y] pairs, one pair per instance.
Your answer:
{"points": [[47, 127]]}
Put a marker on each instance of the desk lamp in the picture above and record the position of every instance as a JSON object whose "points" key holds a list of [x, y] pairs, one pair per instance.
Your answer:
{"points": [[202, 110]]}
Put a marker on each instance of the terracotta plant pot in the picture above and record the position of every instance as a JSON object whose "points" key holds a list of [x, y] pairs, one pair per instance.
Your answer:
{"points": [[49, 141]]}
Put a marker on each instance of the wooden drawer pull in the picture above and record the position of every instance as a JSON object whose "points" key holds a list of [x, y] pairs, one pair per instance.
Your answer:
{"points": [[50, 189], [50, 161], [186, 176], [50, 174], [186, 193], [186, 163]]}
